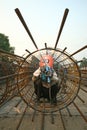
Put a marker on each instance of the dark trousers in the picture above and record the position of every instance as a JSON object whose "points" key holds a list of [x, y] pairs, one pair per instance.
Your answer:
{"points": [[45, 92]]}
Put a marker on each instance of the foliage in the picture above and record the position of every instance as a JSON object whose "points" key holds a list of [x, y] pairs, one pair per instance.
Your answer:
{"points": [[6, 66], [5, 45], [84, 62]]}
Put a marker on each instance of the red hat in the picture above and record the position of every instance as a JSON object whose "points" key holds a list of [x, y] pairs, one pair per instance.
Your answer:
{"points": [[46, 60]]}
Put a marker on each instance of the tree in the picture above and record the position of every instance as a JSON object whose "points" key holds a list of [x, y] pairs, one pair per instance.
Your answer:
{"points": [[5, 45], [84, 62]]}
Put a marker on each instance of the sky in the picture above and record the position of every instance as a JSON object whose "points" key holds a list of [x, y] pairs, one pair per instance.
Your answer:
{"points": [[43, 18]]}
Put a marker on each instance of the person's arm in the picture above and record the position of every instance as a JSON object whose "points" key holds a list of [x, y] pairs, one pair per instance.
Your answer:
{"points": [[55, 76], [36, 74]]}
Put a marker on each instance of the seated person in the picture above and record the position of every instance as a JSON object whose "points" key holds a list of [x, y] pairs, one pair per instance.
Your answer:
{"points": [[46, 82]]}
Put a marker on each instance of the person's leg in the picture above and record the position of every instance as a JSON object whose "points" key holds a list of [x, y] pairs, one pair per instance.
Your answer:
{"points": [[54, 90], [45, 92], [38, 88]]}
